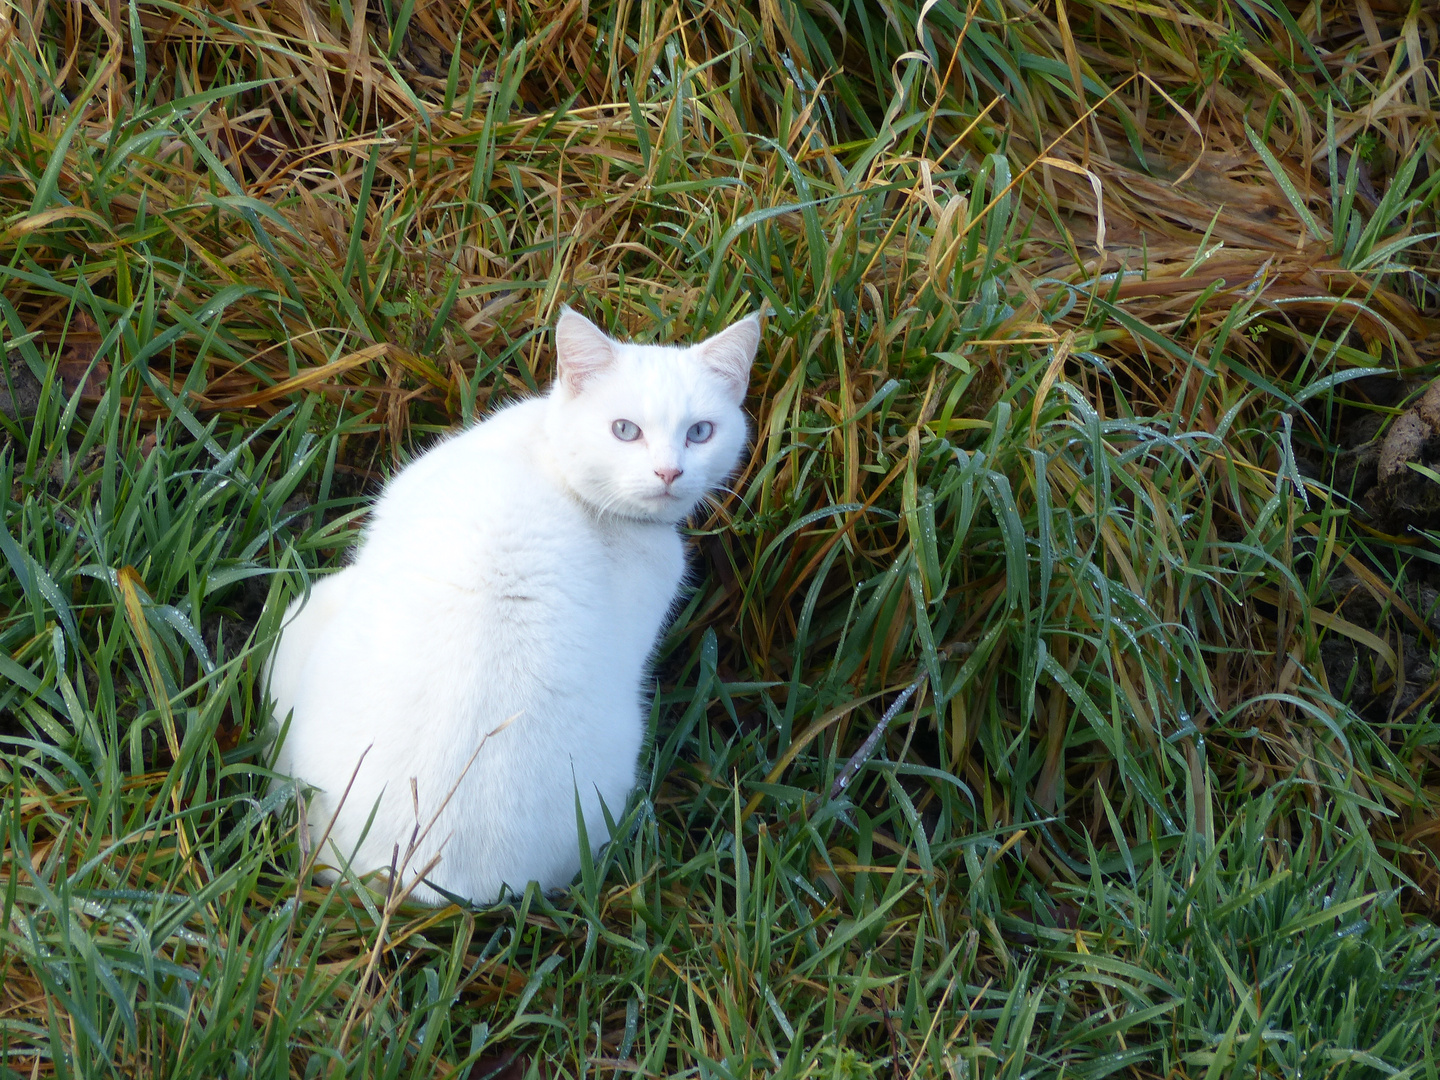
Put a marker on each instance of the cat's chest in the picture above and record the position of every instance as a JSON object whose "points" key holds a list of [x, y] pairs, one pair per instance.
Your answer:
{"points": [[646, 565], [545, 549], [598, 593]]}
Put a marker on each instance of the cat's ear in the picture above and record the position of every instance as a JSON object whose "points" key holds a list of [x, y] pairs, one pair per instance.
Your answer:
{"points": [[582, 350], [731, 352]]}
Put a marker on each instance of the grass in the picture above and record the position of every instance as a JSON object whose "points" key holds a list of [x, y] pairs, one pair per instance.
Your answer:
{"points": [[1078, 314]]}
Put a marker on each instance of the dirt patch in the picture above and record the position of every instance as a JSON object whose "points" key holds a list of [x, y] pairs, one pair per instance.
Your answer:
{"points": [[19, 390], [1380, 467], [1355, 673]]}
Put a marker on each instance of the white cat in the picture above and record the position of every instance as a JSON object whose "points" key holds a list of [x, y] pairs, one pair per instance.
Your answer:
{"points": [[523, 568]]}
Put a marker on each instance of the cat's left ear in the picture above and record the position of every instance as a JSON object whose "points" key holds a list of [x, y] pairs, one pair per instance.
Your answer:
{"points": [[731, 352]]}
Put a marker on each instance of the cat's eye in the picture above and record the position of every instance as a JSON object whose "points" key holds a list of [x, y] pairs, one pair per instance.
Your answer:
{"points": [[625, 430], [700, 432]]}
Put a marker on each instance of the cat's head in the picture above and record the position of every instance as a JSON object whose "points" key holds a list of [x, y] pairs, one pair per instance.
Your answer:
{"points": [[645, 431]]}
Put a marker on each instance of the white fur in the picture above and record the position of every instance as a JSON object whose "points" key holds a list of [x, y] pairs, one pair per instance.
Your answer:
{"points": [[523, 568]]}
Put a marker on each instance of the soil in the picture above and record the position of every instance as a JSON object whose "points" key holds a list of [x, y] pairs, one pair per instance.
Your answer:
{"points": [[1376, 468]]}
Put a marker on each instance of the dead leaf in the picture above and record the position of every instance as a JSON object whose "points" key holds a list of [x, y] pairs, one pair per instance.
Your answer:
{"points": [[77, 368]]}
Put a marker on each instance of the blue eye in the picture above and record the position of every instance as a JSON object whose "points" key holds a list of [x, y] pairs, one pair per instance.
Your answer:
{"points": [[625, 430], [700, 432]]}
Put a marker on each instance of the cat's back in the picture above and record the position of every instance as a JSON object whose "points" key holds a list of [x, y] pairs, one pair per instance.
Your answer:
{"points": [[475, 498], [485, 469]]}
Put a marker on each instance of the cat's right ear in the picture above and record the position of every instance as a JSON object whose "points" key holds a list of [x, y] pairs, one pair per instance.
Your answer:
{"points": [[582, 350]]}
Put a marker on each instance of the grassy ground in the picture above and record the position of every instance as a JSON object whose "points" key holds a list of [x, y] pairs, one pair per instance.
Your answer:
{"points": [[1086, 396]]}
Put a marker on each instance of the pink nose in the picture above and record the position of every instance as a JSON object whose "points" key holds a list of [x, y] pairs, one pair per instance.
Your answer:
{"points": [[669, 475]]}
